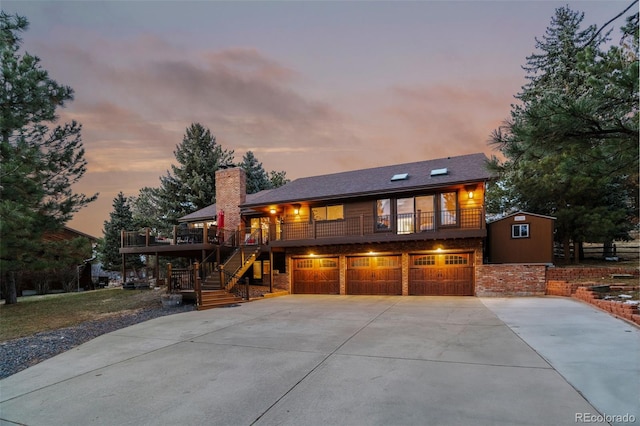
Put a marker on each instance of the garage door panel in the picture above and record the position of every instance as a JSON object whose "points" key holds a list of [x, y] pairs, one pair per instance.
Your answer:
{"points": [[316, 276], [372, 275], [441, 275]]}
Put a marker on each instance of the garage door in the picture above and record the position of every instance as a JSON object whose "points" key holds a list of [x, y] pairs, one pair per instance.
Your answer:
{"points": [[441, 275], [378, 275], [316, 276]]}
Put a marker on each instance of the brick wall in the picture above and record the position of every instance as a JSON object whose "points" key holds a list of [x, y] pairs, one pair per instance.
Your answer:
{"points": [[281, 282], [231, 189], [561, 288], [510, 280], [619, 309], [571, 274]]}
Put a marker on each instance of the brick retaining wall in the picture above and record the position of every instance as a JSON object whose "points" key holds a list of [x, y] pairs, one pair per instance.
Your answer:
{"points": [[571, 274], [510, 280], [561, 288], [620, 309]]}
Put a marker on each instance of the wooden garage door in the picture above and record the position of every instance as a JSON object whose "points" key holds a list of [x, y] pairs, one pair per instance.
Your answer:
{"points": [[316, 276], [441, 275], [377, 275]]}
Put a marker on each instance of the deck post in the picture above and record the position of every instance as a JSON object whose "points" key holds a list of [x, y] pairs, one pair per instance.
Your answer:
{"points": [[146, 236], [270, 270], [168, 278], [196, 283]]}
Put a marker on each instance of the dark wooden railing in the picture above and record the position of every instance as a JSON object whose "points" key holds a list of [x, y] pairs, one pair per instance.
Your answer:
{"points": [[180, 279], [400, 224]]}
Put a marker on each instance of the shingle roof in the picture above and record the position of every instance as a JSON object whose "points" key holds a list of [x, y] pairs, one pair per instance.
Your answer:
{"points": [[459, 170], [211, 211]]}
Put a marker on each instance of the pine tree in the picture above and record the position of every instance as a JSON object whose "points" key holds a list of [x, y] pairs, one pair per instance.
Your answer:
{"points": [[257, 178], [39, 164], [120, 219], [278, 179], [191, 184], [571, 145]]}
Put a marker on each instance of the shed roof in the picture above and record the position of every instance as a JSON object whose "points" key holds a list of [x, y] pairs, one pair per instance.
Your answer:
{"points": [[422, 174], [521, 213]]}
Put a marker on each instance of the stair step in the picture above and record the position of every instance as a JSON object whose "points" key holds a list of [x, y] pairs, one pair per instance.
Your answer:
{"points": [[217, 298]]}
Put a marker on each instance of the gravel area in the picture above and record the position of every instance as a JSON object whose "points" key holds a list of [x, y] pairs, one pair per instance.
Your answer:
{"points": [[19, 354]]}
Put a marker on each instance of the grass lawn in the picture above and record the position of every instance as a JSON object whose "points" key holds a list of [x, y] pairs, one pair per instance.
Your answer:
{"points": [[33, 314]]}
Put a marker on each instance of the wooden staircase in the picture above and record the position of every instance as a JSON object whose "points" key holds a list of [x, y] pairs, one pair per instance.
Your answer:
{"points": [[216, 299], [213, 292]]}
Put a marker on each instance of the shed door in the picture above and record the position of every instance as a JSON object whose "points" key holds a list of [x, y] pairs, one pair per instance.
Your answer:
{"points": [[377, 275], [441, 275], [316, 276]]}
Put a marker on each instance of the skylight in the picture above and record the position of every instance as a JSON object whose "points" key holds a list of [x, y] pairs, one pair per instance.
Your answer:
{"points": [[400, 176], [439, 172]]}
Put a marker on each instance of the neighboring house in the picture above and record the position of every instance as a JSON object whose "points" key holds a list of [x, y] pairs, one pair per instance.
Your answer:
{"points": [[405, 229], [521, 237], [58, 280]]}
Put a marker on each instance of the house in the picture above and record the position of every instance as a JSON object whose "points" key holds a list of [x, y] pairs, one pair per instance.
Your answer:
{"points": [[61, 278], [521, 237], [405, 229]]}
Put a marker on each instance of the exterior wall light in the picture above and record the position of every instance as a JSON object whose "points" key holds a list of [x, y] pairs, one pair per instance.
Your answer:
{"points": [[470, 189], [296, 209], [272, 211]]}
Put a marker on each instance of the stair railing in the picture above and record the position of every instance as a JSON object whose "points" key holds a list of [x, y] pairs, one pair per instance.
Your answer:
{"points": [[233, 267]]}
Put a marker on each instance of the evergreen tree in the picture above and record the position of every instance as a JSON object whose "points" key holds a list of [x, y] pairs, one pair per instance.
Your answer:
{"points": [[257, 178], [120, 219], [571, 145], [278, 179], [39, 164], [147, 212], [191, 184]]}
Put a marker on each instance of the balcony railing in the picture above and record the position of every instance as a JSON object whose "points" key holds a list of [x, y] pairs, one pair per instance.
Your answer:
{"points": [[401, 224]]}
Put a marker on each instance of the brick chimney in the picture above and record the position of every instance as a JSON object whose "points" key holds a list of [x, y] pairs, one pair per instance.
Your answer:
{"points": [[231, 191]]}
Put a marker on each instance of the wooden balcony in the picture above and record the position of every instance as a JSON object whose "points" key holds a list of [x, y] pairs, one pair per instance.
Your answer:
{"points": [[184, 240], [464, 223]]}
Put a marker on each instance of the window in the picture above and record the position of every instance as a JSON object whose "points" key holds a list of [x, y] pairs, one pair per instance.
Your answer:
{"points": [[328, 212], [383, 214], [304, 263], [360, 262], [424, 260], [424, 212], [520, 230], [328, 263], [405, 215], [449, 208], [455, 259]]}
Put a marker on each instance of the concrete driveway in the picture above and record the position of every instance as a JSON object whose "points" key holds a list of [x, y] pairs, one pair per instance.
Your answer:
{"points": [[341, 360]]}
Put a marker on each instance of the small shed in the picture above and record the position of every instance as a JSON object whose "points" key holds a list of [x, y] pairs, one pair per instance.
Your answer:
{"points": [[521, 237]]}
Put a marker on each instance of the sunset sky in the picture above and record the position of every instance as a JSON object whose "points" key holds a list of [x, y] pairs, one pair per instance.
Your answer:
{"points": [[310, 87]]}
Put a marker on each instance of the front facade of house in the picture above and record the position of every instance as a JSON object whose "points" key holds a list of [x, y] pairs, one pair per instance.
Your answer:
{"points": [[407, 229]]}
